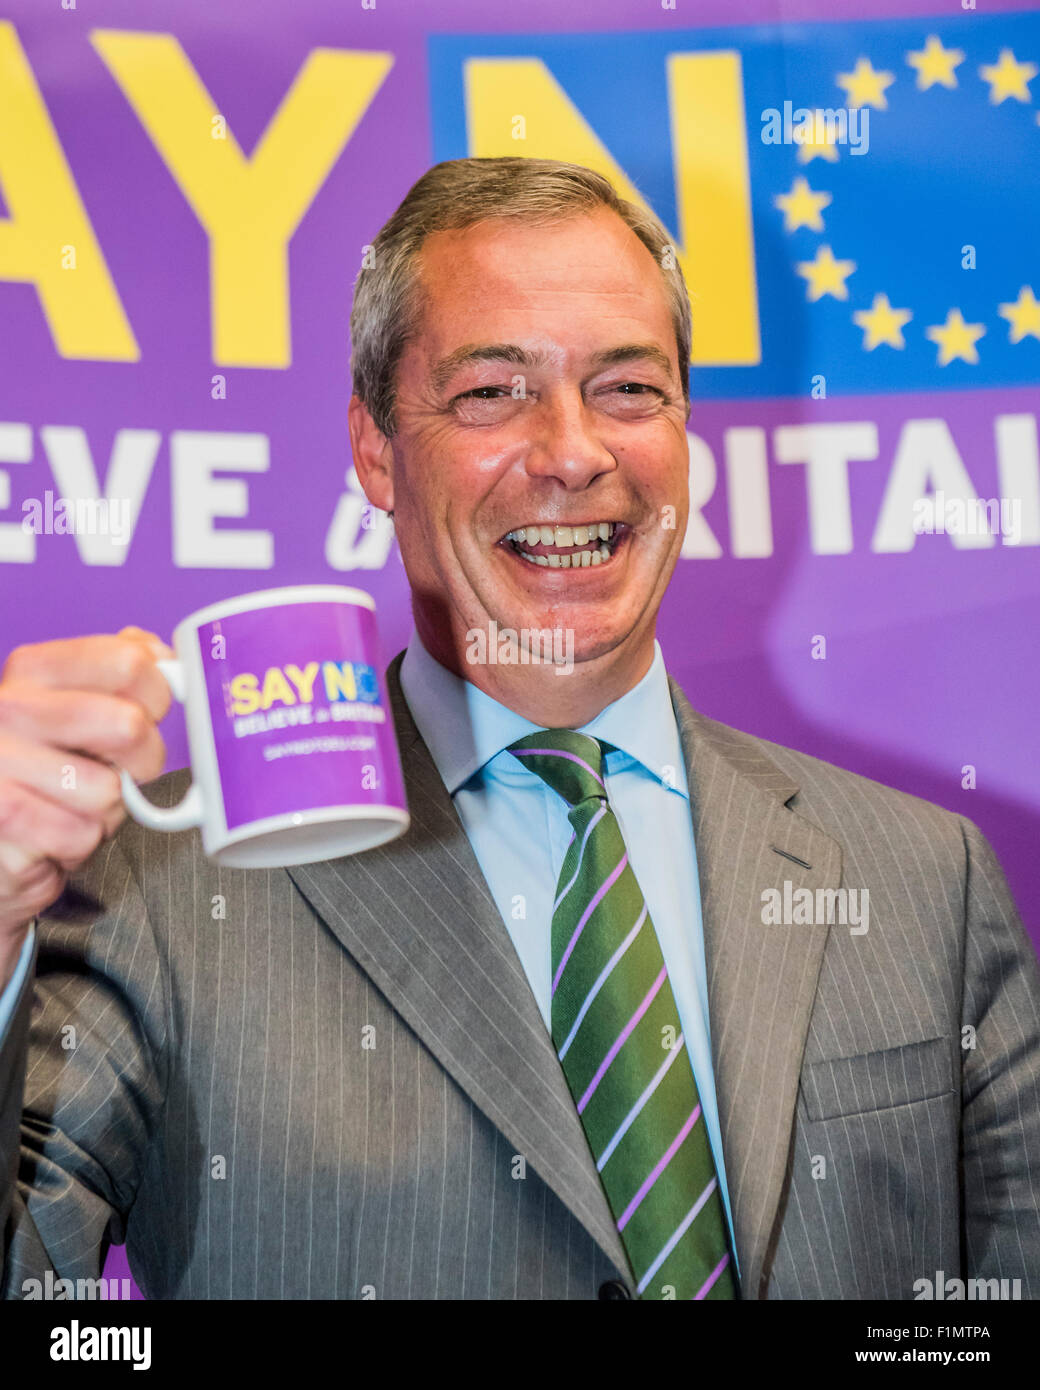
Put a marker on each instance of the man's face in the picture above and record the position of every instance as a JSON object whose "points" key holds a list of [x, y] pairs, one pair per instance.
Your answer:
{"points": [[542, 390]]}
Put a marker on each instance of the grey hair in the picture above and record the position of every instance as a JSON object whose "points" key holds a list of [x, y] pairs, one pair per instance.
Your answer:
{"points": [[457, 194]]}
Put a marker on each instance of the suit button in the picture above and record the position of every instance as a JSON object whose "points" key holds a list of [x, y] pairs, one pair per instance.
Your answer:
{"points": [[613, 1288]]}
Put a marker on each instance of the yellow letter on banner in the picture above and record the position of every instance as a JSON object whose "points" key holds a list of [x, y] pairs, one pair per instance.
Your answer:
{"points": [[250, 208], [81, 305], [713, 187]]}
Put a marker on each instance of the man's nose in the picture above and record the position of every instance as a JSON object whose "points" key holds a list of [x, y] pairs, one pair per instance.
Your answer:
{"points": [[564, 443]]}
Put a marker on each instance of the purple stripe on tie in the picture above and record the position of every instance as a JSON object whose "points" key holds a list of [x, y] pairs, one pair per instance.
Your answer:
{"points": [[581, 852], [601, 893], [658, 1169], [558, 753], [622, 1038], [630, 1118], [677, 1235], [604, 976], [705, 1288]]}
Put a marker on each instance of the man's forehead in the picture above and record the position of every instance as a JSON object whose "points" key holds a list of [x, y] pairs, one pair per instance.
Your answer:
{"points": [[459, 314], [586, 245]]}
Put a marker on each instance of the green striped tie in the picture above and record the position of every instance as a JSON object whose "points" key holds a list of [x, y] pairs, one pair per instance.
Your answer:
{"points": [[617, 1032]]}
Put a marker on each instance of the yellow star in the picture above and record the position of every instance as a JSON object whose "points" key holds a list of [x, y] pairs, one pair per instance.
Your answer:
{"points": [[956, 338], [826, 275], [1008, 78], [821, 142], [935, 64], [882, 323], [865, 86], [801, 207], [1023, 315]]}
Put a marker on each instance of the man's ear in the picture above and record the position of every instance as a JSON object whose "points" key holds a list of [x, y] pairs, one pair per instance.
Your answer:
{"points": [[373, 456]]}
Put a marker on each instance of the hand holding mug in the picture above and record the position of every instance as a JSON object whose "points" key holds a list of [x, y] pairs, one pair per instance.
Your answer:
{"points": [[71, 713]]}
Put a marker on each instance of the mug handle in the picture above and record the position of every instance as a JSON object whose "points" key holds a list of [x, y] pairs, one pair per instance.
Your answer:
{"points": [[188, 812]]}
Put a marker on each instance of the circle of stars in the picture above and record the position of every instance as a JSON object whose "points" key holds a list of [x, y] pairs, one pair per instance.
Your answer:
{"points": [[802, 206]]}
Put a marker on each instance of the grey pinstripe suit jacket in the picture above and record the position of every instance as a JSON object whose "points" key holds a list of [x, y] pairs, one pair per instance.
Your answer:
{"points": [[343, 1086]]}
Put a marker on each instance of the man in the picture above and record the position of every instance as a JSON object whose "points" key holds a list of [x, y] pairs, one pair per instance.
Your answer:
{"points": [[552, 1042]]}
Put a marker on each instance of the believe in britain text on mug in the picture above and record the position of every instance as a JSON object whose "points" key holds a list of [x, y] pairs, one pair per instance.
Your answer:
{"points": [[290, 732]]}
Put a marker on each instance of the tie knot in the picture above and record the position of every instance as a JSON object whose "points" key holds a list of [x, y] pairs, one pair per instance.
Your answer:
{"points": [[569, 762]]}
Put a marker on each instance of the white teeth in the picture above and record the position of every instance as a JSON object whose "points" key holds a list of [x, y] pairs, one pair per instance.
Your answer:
{"points": [[560, 536], [580, 560]]}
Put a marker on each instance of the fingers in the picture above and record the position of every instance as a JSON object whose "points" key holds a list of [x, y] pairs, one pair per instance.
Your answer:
{"points": [[71, 714], [36, 720], [122, 665], [40, 841]]}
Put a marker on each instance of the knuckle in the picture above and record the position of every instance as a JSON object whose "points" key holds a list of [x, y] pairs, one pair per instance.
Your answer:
{"points": [[97, 785], [134, 663], [107, 789], [78, 841], [9, 705], [12, 803], [34, 878], [130, 725], [21, 662], [47, 885], [113, 819], [89, 838], [155, 761]]}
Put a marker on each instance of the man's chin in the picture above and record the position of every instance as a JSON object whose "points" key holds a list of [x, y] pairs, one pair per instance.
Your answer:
{"points": [[582, 631]]}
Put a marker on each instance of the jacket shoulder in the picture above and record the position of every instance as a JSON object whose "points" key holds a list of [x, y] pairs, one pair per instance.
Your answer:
{"points": [[839, 801]]}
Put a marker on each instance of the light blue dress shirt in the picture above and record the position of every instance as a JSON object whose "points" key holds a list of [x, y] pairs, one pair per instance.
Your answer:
{"points": [[519, 830]]}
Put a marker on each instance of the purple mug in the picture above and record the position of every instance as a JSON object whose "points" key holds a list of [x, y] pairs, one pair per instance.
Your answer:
{"points": [[290, 733]]}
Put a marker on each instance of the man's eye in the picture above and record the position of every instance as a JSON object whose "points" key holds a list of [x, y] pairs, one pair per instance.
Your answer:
{"points": [[637, 387], [483, 393]]}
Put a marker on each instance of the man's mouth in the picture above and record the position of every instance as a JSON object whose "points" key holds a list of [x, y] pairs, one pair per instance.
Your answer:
{"points": [[566, 547]]}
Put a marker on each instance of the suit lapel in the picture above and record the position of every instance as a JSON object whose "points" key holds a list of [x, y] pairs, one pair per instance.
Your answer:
{"points": [[761, 978], [417, 917]]}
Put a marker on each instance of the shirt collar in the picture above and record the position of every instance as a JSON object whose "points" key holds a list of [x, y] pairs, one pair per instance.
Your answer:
{"points": [[464, 728]]}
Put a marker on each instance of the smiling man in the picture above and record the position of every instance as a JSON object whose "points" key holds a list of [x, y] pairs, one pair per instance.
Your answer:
{"points": [[551, 1043], [542, 397]]}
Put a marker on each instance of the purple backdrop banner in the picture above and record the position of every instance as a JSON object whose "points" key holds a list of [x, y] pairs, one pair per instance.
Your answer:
{"points": [[187, 195]]}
